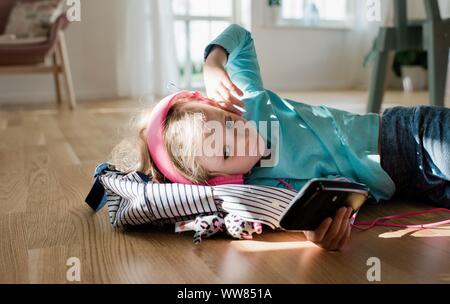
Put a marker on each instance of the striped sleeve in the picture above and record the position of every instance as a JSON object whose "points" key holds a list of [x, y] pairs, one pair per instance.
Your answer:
{"points": [[173, 200], [125, 199], [132, 201], [254, 203]]}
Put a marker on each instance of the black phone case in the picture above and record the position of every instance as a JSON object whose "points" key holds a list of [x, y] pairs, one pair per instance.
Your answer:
{"points": [[319, 199]]}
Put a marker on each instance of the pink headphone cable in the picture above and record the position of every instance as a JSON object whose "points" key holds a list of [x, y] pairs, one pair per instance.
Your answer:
{"points": [[380, 221], [289, 186]]}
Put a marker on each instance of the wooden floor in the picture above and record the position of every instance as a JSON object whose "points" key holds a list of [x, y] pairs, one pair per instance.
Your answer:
{"points": [[47, 157]]}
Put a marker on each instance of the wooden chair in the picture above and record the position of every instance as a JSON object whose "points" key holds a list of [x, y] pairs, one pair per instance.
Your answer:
{"points": [[31, 58], [432, 35]]}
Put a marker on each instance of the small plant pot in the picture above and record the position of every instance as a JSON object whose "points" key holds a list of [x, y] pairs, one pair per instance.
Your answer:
{"points": [[414, 78]]}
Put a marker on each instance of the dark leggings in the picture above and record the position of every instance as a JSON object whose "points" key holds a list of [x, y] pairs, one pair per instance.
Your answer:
{"points": [[415, 152]]}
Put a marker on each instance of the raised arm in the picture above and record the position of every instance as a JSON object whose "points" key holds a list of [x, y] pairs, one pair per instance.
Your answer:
{"points": [[238, 56]]}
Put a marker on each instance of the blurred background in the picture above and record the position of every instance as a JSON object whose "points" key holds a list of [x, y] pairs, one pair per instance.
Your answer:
{"points": [[134, 48]]}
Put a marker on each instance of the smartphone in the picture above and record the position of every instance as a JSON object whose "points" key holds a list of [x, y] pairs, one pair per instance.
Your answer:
{"points": [[319, 199]]}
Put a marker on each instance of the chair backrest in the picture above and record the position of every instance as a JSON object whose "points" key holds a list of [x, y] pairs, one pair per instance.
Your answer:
{"points": [[5, 9]]}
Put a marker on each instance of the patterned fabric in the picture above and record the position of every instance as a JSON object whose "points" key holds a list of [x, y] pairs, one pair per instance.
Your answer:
{"points": [[261, 204], [33, 19], [208, 225], [233, 224], [134, 200], [241, 229]]}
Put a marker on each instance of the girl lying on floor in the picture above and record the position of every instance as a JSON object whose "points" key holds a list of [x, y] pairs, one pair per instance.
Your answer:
{"points": [[192, 139]]}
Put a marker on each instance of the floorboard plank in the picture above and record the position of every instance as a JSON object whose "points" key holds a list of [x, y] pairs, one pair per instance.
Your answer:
{"points": [[48, 155], [13, 249]]}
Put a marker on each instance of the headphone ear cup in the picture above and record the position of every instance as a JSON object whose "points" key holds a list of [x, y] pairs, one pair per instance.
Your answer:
{"points": [[230, 179]]}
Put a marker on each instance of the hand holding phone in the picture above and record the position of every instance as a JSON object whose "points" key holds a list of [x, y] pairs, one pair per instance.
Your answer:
{"points": [[332, 234], [320, 199]]}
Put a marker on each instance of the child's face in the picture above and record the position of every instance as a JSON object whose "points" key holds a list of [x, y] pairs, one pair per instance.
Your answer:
{"points": [[231, 145]]}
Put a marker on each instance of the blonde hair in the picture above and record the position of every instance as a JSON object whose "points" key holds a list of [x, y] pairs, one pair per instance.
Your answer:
{"points": [[183, 134]]}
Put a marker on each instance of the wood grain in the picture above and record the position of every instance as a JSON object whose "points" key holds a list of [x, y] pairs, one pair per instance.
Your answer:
{"points": [[48, 154]]}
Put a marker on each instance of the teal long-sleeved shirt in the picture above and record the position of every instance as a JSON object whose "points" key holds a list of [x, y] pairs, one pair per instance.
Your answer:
{"points": [[311, 141]]}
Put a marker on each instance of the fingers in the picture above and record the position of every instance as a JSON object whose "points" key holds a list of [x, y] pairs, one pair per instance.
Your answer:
{"points": [[227, 95], [227, 106], [335, 227], [346, 237], [232, 87], [342, 237], [320, 232], [333, 234], [220, 87], [226, 101]]}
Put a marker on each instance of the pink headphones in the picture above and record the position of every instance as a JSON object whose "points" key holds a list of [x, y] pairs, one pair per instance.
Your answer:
{"points": [[157, 148]]}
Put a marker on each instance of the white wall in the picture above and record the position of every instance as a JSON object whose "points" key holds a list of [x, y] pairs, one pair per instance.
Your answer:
{"points": [[290, 58], [305, 58], [302, 58], [92, 50]]}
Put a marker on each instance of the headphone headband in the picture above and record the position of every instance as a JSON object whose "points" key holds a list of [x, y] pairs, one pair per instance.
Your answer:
{"points": [[157, 148]]}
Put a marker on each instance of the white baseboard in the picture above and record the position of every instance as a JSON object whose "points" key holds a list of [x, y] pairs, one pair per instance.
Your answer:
{"points": [[49, 96], [21, 97]]}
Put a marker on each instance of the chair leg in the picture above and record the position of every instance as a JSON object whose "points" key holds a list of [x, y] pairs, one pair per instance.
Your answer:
{"points": [[437, 74], [66, 71], [378, 82], [56, 70]]}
